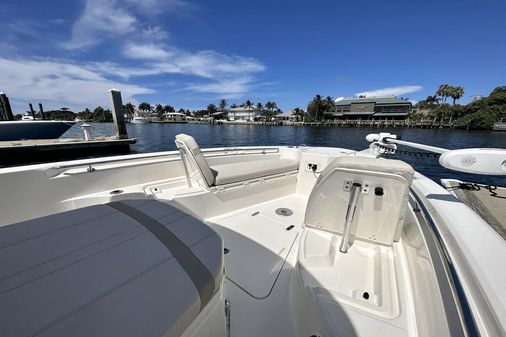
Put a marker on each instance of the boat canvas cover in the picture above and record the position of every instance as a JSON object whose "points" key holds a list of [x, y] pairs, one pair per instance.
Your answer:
{"points": [[127, 268]]}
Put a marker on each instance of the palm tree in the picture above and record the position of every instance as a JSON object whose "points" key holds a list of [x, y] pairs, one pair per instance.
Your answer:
{"points": [[129, 109], [211, 108], [248, 104], [145, 106], [169, 108], [259, 106], [329, 104], [270, 110], [271, 106], [432, 101], [159, 110], [223, 104], [443, 91], [298, 113], [456, 93], [315, 106]]}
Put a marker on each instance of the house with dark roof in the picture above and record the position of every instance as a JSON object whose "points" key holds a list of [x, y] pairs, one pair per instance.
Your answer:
{"points": [[389, 107]]}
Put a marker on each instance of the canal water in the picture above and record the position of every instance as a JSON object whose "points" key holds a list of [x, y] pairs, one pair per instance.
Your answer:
{"points": [[160, 137]]}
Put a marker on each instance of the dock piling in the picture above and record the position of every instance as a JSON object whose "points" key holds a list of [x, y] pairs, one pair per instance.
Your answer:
{"points": [[31, 110], [6, 107], [41, 111], [118, 114]]}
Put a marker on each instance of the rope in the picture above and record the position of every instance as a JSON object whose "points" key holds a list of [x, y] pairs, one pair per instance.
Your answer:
{"points": [[478, 187]]}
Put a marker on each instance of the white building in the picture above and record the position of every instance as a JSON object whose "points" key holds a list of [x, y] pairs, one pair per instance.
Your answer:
{"points": [[175, 117], [286, 116], [243, 113]]}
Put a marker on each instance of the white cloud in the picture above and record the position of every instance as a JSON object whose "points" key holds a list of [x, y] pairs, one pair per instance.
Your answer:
{"points": [[100, 19], [206, 63], [233, 88], [392, 91], [145, 52], [59, 82]]}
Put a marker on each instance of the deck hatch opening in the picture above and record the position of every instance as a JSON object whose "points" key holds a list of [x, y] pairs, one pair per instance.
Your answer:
{"points": [[284, 211]]}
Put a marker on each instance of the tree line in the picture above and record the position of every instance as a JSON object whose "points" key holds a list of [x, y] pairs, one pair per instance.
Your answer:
{"points": [[268, 110], [482, 113]]}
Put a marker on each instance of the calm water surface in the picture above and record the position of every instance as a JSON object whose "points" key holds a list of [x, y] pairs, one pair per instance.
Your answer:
{"points": [[160, 137]]}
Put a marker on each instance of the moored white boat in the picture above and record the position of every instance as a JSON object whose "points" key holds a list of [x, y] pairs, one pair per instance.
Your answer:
{"points": [[245, 241], [140, 119]]}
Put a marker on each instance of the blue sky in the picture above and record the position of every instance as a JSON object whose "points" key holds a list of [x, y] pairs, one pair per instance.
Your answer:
{"points": [[191, 53]]}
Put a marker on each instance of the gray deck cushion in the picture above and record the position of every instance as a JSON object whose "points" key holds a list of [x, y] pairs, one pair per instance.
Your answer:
{"points": [[201, 162], [236, 172], [107, 270]]}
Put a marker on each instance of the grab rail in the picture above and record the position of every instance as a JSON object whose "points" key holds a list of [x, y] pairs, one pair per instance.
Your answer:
{"points": [[212, 153], [458, 312]]}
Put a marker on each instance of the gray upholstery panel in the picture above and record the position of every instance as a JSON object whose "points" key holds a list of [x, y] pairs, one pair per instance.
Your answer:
{"points": [[201, 162], [236, 172], [97, 272]]}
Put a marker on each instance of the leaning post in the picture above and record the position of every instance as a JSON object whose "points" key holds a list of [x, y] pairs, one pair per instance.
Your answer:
{"points": [[6, 105], [117, 114]]}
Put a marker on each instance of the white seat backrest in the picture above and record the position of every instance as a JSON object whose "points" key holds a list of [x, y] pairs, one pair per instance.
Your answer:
{"points": [[381, 203], [194, 155]]}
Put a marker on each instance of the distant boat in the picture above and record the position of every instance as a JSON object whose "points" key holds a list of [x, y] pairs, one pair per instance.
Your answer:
{"points": [[499, 126], [33, 129], [140, 120]]}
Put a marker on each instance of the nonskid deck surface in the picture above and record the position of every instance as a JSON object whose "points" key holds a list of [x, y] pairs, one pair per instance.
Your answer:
{"points": [[261, 254], [257, 241]]}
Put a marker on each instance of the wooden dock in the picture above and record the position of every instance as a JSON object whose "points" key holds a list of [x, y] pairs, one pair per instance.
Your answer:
{"points": [[487, 201], [46, 150]]}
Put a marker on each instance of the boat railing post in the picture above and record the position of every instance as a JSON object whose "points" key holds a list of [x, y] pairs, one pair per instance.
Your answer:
{"points": [[86, 130], [118, 114], [350, 214]]}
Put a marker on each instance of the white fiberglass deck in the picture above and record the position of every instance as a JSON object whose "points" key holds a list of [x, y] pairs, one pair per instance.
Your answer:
{"points": [[258, 241]]}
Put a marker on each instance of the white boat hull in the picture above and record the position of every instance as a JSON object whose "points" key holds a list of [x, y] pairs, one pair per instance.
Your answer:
{"points": [[284, 278], [140, 120]]}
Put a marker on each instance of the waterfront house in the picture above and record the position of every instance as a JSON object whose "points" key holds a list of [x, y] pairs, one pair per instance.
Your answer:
{"points": [[386, 107], [175, 117], [242, 113], [286, 116]]}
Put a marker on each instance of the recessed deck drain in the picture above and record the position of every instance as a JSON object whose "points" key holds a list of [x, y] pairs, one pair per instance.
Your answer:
{"points": [[284, 211]]}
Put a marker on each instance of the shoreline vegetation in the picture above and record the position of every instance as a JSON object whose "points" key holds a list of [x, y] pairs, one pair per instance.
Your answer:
{"points": [[433, 112]]}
